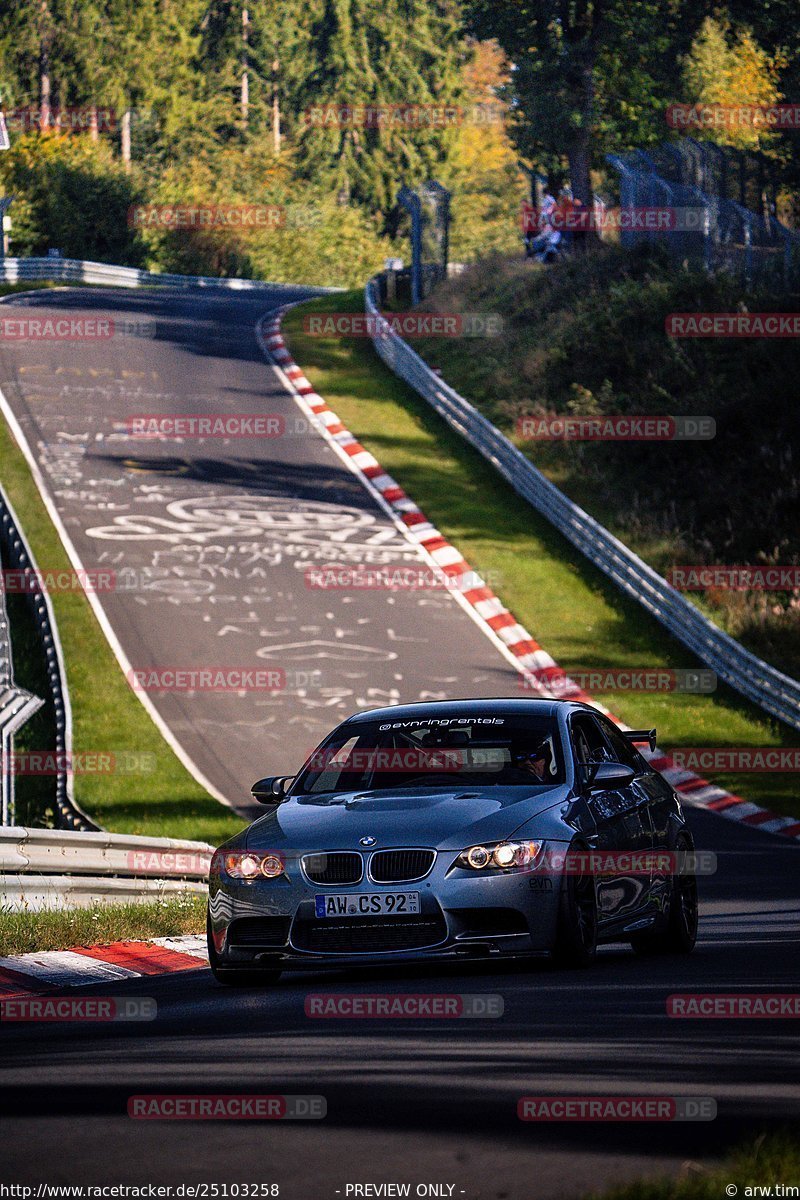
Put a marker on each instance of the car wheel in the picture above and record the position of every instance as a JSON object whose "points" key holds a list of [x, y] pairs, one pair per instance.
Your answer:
{"points": [[679, 932], [233, 976], [576, 939]]}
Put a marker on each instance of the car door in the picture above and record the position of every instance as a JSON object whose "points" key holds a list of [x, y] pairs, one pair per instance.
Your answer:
{"points": [[622, 823], [659, 799]]}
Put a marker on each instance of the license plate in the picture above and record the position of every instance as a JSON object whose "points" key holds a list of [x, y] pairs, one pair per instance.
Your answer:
{"points": [[366, 904]]}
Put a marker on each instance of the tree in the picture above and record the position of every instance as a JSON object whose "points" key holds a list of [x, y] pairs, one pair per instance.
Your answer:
{"points": [[482, 167], [727, 67], [589, 75], [389, 55]]}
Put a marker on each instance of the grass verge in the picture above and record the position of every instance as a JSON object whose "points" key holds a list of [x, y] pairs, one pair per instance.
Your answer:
{"points": [[26, 932], [568, 605], [588, 339], [770, 1160], [107, 715]]}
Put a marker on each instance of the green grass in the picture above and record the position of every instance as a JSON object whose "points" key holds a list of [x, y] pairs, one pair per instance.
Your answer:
{"points": [[25, 932], [565, 603], [769, 1160], [8, 289], [107, 715], [589, 338]]}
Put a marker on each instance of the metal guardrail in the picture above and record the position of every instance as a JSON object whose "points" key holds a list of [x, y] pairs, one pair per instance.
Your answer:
{"points": [[17, 705], [774, 692], [74, 270], [45, 868], [20, 558]]}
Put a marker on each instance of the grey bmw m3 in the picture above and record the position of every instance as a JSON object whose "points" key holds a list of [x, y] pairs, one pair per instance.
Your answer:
{"points": [[456, 830]]}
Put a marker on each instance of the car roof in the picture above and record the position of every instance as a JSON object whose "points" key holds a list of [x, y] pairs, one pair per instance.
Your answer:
{"points": [[491, 707]]}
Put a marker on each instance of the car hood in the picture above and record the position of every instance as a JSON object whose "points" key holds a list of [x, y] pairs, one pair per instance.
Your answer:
{"points": [[442, 818]]}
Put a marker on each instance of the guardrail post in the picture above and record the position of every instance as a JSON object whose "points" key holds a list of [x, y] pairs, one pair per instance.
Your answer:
{"points": [[413, 205], [21, 558], [748, 249]]}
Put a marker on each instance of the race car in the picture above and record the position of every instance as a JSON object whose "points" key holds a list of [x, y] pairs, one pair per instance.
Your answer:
{"points": [[451, 831]]}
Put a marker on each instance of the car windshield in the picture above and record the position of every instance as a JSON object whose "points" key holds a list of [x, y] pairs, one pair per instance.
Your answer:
{"points": [[490, 751]]}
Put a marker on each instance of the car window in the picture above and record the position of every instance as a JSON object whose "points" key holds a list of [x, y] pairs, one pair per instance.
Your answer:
{"points": [[621, 748], [588, 742], [507, 750], [334, 764]]}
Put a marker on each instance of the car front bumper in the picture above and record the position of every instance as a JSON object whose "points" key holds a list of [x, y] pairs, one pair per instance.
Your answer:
{"points": [[462, 916]]}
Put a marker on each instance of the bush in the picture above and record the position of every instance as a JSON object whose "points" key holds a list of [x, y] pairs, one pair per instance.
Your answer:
{"points": [[73, 194]]}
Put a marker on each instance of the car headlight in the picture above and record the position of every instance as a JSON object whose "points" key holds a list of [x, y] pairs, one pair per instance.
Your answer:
{"points": [[239, 865], [501, 856]]}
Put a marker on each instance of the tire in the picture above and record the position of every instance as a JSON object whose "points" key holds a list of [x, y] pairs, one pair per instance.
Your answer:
{"points": [[678, 934], [233, 976], [576, 937]]}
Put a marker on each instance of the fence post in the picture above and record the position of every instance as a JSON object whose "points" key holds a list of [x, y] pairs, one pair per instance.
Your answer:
{"points": [[5, 204], [411, 202], [706, 237], [440, 198], [748, 249]]}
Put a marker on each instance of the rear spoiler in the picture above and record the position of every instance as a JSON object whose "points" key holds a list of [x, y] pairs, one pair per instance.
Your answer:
{"points": [[636, 736]]}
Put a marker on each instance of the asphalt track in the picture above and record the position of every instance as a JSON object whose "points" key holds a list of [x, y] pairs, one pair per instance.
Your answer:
{"points": [[407, 1101], [212, 541], [432, 1101]]}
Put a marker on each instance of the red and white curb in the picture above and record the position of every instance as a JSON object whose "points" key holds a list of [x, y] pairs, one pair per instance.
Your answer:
{"points": [[471, 591], [51, 970]]}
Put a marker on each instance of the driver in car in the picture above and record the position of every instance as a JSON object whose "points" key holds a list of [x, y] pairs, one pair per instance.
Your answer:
{"points": [[535, 762]]}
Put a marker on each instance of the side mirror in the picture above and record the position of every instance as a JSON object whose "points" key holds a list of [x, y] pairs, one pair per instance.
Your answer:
{"points": [[272, 789], [610, 775]]}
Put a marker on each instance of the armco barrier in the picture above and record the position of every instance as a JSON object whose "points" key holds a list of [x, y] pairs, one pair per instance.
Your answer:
{"points": [[767, 687], [74, 270], [20, 557], [47, 868]]}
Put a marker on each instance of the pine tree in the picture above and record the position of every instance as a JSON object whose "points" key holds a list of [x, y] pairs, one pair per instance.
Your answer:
{"points": [[387, 55]]}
